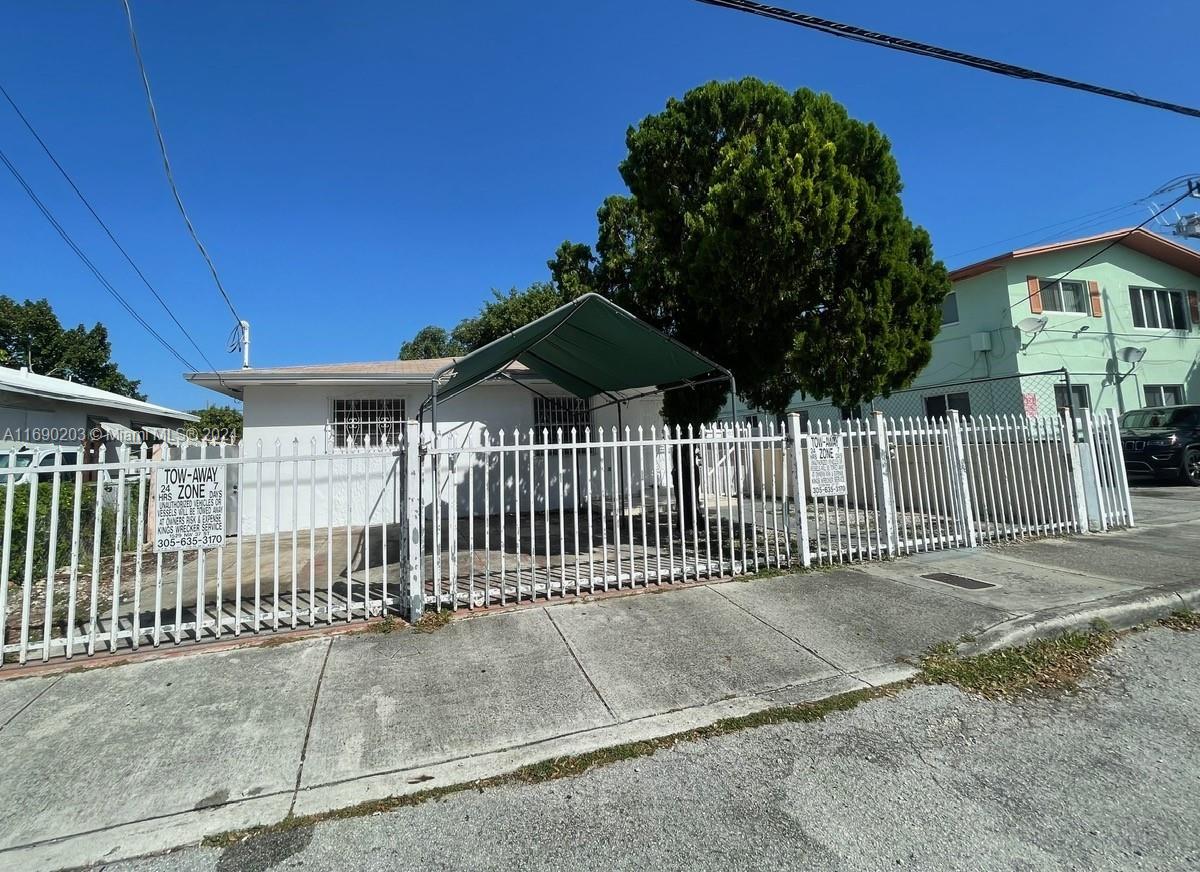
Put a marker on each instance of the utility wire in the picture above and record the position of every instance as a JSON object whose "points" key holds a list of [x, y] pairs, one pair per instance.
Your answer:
{"points": [[107, 230], [162, 148], [1111, 210], [104, 282], [1043, 284], [871, 37]]}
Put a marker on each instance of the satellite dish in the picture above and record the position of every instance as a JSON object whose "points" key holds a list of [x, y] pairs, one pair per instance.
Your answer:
{"points": [[1130, 354], [1033, 325]]}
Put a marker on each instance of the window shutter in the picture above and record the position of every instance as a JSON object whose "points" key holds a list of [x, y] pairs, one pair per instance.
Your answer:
{"points": [[1194, 305], [1094, 294], [1035, 294]]}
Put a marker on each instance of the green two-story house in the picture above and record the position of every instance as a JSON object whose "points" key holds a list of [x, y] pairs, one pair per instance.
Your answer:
{"points": [[1031, 331]]}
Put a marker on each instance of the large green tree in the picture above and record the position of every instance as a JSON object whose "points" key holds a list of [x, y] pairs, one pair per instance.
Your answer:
{"points": [[31, 335], [571, 274], [765, 229], [431, 341], [218, 423]]}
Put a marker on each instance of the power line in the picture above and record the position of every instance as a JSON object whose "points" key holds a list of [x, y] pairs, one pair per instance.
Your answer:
{"points": [[104, 282], [1111, 210], [1044, 284], [871, 37], [162, 148], [105, 227]]}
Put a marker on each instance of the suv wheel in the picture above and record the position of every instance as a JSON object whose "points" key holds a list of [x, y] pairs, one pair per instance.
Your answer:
{"points": [[1191, 466]]}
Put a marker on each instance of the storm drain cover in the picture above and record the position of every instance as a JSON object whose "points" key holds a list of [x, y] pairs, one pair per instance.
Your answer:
{"points": [[958, 580]]}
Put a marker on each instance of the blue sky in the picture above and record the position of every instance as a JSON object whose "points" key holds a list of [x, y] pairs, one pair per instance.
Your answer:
{"points": [[362, 168]]}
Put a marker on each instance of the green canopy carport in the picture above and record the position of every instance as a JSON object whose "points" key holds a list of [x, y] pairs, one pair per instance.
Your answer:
{"points": [[588, 347]]}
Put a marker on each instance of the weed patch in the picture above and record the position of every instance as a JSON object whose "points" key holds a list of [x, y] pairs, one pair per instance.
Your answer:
{"points": [[1045, 664], [1182, 620], [431, 622]]}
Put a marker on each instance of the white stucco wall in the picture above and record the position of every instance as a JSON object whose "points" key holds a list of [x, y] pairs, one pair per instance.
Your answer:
{"points": [[337, 488]]}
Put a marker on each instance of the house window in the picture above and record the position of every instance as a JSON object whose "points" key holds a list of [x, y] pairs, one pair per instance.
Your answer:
{"points": [[1157, 308], [937, 405], [950, 309], [1164, 395], [1065, 296], [1079, 394], [362, 423], [804, 418], [552, 413]]}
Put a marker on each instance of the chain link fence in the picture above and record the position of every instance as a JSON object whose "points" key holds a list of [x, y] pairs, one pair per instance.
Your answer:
{"points": [[1028, 395]]}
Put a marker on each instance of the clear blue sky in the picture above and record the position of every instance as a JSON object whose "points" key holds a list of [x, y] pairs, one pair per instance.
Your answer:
{"points": [[359, 169]]}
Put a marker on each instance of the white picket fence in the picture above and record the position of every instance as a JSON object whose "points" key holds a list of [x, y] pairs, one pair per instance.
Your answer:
{"points": [[317, 538]]}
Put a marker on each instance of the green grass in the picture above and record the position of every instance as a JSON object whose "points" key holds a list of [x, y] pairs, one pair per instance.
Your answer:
{"points": [[1045, 664]]}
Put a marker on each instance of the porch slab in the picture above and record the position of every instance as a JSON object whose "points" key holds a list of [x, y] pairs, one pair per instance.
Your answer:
{"points": [[405, 700], [111, 747], [687, 647], [857, 620], [1020, 586]]}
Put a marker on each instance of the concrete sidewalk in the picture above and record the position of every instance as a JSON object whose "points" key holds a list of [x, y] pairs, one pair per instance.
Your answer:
{"points": [[112, 763]]}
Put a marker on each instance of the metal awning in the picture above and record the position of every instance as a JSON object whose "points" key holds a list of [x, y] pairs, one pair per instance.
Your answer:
{"points": [[588, 347], [119, 432]]}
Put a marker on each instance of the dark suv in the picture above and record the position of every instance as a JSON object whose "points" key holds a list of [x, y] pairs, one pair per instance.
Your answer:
{"points": [[1164, 440]]}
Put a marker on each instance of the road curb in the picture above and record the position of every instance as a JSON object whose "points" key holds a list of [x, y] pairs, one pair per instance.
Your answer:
{"points": [[1120, 611]]}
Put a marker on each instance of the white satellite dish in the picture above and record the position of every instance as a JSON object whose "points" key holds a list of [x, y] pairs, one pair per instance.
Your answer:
{"points": [[1130, 354], [1032, 326]]}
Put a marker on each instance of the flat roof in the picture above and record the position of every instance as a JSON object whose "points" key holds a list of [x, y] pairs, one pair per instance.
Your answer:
{"points": [[19, 381], [415, 372]]}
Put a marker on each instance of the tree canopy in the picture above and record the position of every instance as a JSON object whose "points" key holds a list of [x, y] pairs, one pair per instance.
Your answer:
{"points": [[570, 277], [31, 335], [431, 341], [218, 423], [765, 229]]}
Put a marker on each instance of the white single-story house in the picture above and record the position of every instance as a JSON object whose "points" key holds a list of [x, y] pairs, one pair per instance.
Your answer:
{"points": [[40, 413], [588, 364], [341, 409]]}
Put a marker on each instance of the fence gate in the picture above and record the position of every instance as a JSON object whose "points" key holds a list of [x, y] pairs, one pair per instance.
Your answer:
{"points": [[510, 518]]}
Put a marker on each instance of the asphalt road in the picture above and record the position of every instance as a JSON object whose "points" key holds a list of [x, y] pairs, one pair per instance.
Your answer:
{"points": [[1106, 778]]}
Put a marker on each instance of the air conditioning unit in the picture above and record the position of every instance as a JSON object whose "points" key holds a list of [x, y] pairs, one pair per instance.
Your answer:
{"points": [[981, 341]]}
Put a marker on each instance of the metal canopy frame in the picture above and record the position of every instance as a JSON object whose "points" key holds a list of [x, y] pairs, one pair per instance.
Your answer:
{"points": [[719, 373]]}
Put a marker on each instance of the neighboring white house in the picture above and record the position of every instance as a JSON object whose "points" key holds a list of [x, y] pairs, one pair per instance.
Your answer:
{"points": [[339, 410], [39, 414]]}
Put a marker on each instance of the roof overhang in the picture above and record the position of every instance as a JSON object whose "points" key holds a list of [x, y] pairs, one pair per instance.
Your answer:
{"points": [[115, 401], [1140, 240]]}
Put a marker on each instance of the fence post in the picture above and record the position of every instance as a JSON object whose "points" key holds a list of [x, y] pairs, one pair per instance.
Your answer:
{"points": [[414, 593], [800, 490], [884, 495], [961, 478], [1114, 423], [1089, 456], [1075, 460]]}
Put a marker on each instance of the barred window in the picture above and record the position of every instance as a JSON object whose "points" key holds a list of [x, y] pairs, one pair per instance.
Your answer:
{"points": [[551, 413], [366, 423]]}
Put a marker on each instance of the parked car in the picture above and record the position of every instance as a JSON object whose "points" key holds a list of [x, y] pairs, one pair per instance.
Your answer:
{"points": [[1163, 441], [32, 457]]}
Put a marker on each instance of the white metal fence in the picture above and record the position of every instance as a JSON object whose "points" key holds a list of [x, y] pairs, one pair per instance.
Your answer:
{"points": [[316, 538]]}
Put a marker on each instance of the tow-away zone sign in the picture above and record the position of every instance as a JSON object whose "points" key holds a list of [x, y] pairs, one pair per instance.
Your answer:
{"points": [[189, 507]]}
